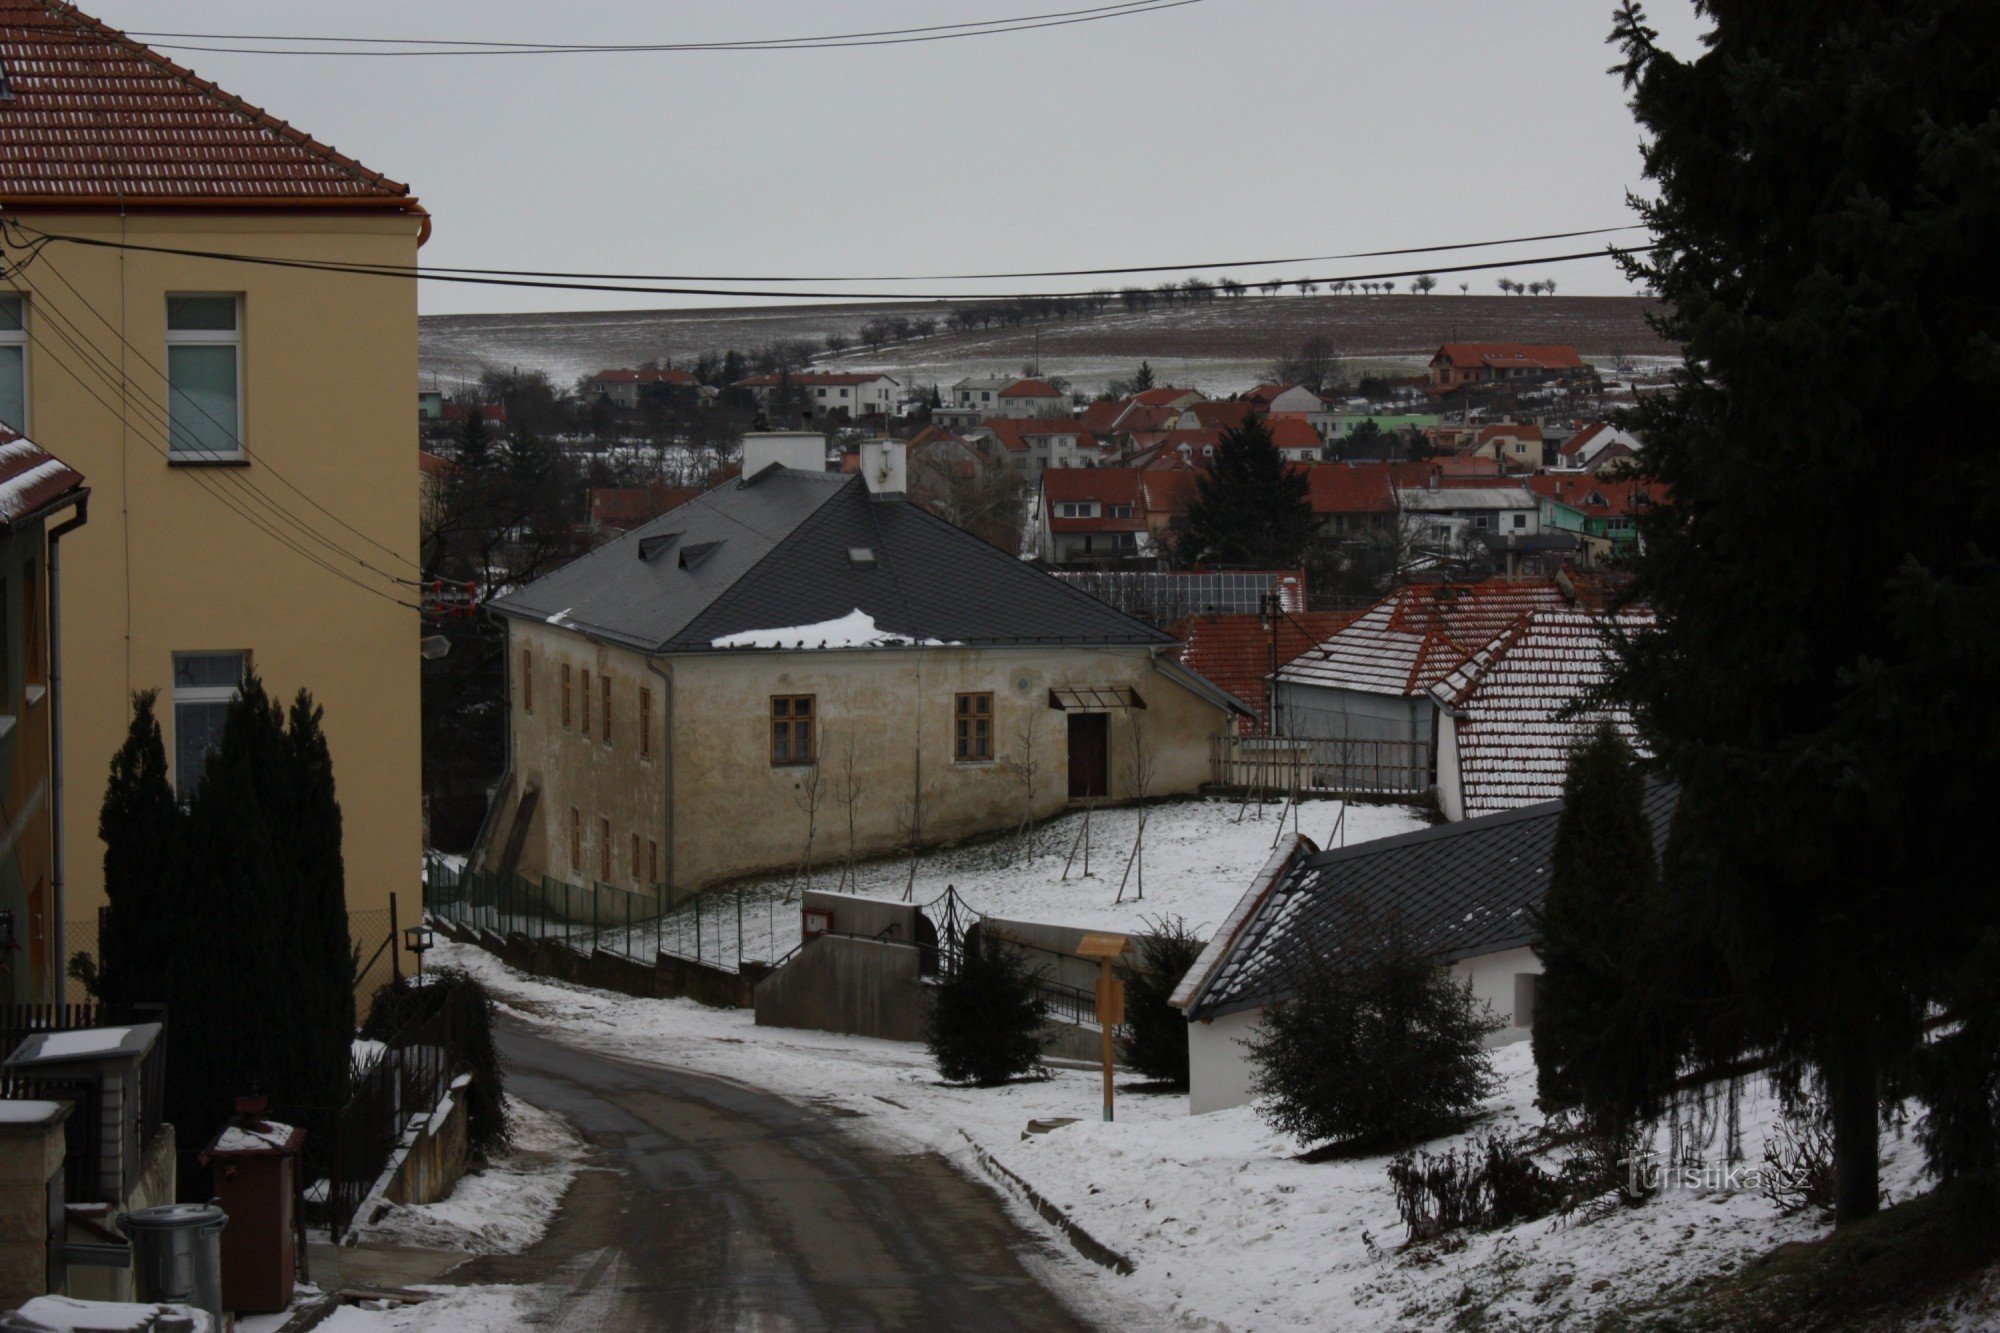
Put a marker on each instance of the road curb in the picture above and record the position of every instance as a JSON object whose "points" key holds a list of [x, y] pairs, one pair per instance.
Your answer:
{"points": [[1085, 1244]]}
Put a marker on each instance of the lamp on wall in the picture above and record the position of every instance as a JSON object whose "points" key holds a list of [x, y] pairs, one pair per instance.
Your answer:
{"points": [[418, 940]]}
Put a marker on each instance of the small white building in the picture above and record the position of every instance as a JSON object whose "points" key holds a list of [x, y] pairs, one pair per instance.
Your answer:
{"points": [[822, 392], [1447, 517], [1464, 893]]}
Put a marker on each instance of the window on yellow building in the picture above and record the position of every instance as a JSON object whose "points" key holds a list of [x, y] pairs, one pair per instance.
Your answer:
{"points": [[204, 378], [604, 850], [14, 361], [585, 730], [565, 692], [604, 697], [645, 723], [636, 862], [575, 839], [652, 861], [527, 681]]}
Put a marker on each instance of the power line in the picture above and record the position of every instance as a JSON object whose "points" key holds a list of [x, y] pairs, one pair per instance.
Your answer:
{"points": [[379, 271], [150, 419], [405, 47]]}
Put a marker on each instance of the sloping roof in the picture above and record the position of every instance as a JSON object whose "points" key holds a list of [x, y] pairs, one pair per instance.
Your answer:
{"points": [[810, 379], [31, 477], [1019, 433], [1289, 431], [1457, 891], [1235, 651], [1355, 488], [1509, 430], [1031, 389], [1107, 486], [93, 117], [1505, 356], [772, 551], [1415, 636], [1223, 415], [1508, 701], [1453, 499], [1598, 497], [1163, 396], [1099, 417], [628, 506], [435, 465]]}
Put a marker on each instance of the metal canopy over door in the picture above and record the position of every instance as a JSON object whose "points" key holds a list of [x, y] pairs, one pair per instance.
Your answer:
{"points": [[1089, 755]]}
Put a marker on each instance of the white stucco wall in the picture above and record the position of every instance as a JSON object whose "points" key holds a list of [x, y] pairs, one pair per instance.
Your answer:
{"points": [[1219, 1065]]}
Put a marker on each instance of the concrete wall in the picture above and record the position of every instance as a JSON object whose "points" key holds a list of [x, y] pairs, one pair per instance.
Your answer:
{"points": [[667, 978], [1219, 1064], [328, 363], [875, 918], [836, 984], [30, 1155], [734, 813], [436, 1160], [1317, 710]]}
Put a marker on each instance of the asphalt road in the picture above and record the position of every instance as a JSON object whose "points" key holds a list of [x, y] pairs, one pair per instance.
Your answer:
{"points": [[705, 1205]]}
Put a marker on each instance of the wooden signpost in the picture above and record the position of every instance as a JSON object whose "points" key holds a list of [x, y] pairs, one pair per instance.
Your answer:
{"points": [[1107, 949]]}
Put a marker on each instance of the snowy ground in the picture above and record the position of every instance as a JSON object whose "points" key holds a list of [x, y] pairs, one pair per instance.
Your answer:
{"points": [[504, 1207], [455, 1310], [1226, 1229]]}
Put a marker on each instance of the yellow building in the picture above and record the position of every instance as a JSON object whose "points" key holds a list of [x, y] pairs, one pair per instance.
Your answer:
{"points": [[246, 425]]}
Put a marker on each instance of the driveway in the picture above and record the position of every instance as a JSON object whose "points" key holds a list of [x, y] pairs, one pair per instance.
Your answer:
{"points": [[707, 1205]]}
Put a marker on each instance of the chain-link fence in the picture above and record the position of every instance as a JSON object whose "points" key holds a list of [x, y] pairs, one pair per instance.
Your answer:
{"points": [[720, 928], [372, 933]]}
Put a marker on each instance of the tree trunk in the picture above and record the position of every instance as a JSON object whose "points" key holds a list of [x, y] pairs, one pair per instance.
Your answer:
{"points": [[1852, 1101]]}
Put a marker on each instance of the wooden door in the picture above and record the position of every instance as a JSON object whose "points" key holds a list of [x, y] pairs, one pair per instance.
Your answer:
{"points": [[1089, 755]]}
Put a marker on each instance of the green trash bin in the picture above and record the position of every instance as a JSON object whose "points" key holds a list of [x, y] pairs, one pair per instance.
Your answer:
{"points": [[177, 1254]]}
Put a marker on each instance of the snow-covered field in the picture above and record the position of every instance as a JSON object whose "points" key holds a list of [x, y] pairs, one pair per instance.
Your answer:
{"points": [[1226, 1229]]}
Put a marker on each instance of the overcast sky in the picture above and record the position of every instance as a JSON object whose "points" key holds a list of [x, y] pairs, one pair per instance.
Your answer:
{"points": [[1224, 129]]}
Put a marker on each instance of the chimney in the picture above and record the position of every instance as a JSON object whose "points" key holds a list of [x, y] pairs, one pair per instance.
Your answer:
{"points": [[885, 466], [800, 450]]}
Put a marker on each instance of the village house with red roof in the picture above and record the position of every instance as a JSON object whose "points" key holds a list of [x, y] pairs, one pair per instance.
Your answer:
{"points": [[823, 392], [628, 388], [1455, 366]]}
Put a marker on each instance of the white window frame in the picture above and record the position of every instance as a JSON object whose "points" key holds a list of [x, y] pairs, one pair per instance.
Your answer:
{"points": [[184, 783], [19, 338], [232, 338]]}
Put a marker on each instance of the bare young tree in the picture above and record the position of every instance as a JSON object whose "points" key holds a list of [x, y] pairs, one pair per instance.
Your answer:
{"points": [[848, 793], [1024, 769], [1140, 769], [809, 794]]}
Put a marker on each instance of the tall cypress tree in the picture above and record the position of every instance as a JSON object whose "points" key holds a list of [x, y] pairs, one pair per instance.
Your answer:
{"points": [[1250, 508], [316, 934], [144, 837], [1829, 604], [1602, 1041]]}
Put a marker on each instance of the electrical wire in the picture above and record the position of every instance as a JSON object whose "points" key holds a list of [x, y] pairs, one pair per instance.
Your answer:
{"points": [[264, 464], [370, 270], [406, 47], [151, 419]]}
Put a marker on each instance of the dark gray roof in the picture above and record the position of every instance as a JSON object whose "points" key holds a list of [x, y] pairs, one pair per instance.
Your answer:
{"points": [[774, 551], [1457, 891]]}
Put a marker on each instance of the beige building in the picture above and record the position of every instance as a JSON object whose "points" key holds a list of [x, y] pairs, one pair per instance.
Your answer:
{"points": [[686, 700], [245, 423]]}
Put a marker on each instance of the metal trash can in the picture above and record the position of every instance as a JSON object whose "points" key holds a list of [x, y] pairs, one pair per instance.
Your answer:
{"points": [[177, 1254]]}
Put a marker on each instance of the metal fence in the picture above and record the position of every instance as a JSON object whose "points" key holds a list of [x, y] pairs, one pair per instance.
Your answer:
{"points": [[408, 1080], [83, 1161], [1322, 765], [716, 928]]}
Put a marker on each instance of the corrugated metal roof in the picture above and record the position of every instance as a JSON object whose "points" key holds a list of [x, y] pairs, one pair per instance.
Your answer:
{"points": [[1456, 891], [96, 117], [771, 552]]}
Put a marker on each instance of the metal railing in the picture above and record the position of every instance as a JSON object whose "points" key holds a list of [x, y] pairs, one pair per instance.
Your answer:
{"points": [[1322, 765], [143, 1107], [717, 928], [408, 1080]]}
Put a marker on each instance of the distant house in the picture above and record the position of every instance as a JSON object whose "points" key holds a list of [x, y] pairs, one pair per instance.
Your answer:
{"points": [[1295, 439], [621, 508], [1516, 446], [1466, 894], [1033, 445], [1228, 414], [1505, 726], [1596, 507], [1456, 365], [1356, 501], [430, 405], [672, 693], [1030, 399], [1595, 447], [629, 388], [820, 392], [493, 414], [1097, 514], [1445, 517], [1283, 398]]}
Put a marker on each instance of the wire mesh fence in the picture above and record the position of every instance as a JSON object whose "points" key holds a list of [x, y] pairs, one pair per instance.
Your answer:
{"points": [[721, 928]]}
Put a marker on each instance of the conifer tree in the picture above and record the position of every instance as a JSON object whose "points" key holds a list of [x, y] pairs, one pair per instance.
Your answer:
{"points": [[1249, 509], [1828, 643], [1155, 1041], [144, 853], [985, 1021], [1601, 1037]]}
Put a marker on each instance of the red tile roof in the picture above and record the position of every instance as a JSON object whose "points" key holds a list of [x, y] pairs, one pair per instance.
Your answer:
{"points": [[1163, 396], [1508, 430], [1416, 636], [1151, 495], [1506, 356], [1234, 651], [1353, 488], [494, 412], [1031, 389], [1597, 497], [30, 477], [1291, 431], [1018, 433], [643, 377], [1100, 416], [433, 465], [1220, 416], [95, 118], [1262, 395], [626, 507]]}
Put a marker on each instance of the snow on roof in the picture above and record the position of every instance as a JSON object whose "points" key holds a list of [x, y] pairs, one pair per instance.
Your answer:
{"points": [[82, 1042], [30, 476], [265, 1136], [29, 1111], [856, 629], [1446, 499], [1415, 636], [1509, 703], [66, 1314]]}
